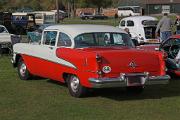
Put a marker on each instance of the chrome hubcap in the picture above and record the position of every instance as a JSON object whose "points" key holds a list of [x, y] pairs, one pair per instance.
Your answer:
{"points": [[74, 84], [23, 69]]}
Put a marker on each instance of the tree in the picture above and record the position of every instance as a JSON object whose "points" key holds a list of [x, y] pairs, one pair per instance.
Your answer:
{"points": [[3, 4], [35, 4], [96, 3]]}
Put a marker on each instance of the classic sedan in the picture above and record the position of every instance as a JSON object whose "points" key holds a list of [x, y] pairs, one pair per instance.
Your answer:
{"points": [[171, 47], [89, 56], [141, 28]]}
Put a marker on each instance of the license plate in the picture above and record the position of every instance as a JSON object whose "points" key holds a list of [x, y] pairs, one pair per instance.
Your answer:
{"points": [[135, 81]]}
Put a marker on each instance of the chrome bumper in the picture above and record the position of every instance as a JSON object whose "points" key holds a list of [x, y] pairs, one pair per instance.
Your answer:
{"points": [[122, 81]]}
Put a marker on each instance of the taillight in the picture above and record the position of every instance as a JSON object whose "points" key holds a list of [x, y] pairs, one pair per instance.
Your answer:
{"points": [[162, 63]]}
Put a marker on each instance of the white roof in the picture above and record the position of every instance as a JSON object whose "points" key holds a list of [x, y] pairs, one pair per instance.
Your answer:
{"points": [[140, 18], [76, 29], [20, 13]]}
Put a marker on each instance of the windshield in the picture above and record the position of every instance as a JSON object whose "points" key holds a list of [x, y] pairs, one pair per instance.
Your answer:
{"points": [[102, 39]]}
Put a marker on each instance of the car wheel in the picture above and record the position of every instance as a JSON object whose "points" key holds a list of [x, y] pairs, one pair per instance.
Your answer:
{"points": [[135, 89], [75, 87], [23, 72]]}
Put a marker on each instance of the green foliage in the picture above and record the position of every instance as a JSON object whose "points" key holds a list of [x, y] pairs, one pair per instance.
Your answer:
{"points": [[9, 5]]}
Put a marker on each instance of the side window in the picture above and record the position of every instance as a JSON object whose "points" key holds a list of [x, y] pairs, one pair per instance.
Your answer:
{"points": [[49, 38], [130, 23], [123, 23], [64, 40], [118, 39]]}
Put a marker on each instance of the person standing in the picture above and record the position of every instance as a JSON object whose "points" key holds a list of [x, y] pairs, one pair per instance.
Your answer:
{"points": [[127, 30], [164, 26], [177, 23]]}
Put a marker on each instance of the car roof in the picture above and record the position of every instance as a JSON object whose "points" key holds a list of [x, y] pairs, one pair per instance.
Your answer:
{"points": [[76, 29], [140, 18]]}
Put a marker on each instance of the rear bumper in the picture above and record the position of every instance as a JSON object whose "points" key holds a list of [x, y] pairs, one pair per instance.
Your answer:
{"points": [[122, 81]]}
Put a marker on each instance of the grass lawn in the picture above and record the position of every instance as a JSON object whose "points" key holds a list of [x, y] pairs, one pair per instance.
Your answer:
{"points": [[42, 99]]}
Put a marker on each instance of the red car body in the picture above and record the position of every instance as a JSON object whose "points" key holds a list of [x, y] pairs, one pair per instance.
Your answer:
{"points": [[91, 66]]}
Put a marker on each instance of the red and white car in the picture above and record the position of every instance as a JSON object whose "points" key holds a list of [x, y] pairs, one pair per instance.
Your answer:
{"points": [[89, 56]]}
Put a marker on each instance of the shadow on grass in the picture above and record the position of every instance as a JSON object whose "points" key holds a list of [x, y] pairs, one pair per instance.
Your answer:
{"points": [[57, 83], [120, 94], [37, 78], [150, 92]]}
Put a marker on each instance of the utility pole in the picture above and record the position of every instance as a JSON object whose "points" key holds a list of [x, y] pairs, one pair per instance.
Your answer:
{"points": [[57, 7]]}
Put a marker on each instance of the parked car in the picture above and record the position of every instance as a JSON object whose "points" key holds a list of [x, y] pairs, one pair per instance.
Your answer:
{"points": [[171, 46], [89, 56], [7, 40], [85, 16], [91, 16], [141, 28]]}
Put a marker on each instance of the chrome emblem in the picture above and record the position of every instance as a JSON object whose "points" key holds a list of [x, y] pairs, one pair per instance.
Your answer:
{"points": [[132, 65]]}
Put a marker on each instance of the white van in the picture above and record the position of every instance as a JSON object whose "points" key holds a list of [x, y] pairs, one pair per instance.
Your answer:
{"points": [[141, 28]]}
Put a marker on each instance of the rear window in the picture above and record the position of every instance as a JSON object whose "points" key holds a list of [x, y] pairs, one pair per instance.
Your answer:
{"points": [[102, 39]]}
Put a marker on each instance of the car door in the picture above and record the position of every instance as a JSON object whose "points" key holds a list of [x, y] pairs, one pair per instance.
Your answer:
{"points": [[44, 55], [48, 47]]}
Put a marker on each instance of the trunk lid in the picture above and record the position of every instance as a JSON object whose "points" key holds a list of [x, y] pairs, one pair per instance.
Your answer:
{"points": [[128, 60]]}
